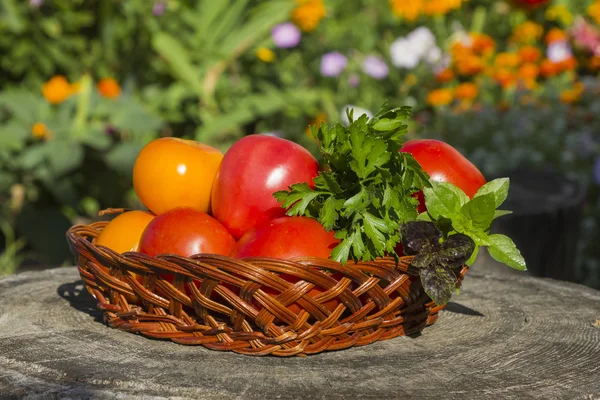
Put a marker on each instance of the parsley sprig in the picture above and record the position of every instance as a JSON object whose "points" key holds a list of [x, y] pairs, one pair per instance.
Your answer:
{"points": [[364, 193]]}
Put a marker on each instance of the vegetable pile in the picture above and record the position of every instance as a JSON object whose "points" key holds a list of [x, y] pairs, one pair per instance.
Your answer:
{"points": [[373, 195]]}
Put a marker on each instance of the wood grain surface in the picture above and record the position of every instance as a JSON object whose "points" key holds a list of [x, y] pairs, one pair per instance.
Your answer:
{"points": [[503, 337]]}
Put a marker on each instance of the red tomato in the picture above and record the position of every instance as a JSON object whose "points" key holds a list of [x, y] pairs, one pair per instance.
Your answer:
{"points": [[444, 163], [185, 231], [253, 169], [289, 237]]}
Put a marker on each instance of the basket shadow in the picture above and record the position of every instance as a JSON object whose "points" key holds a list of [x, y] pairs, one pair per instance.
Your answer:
{"points": [[460, 309], [80, 299]]}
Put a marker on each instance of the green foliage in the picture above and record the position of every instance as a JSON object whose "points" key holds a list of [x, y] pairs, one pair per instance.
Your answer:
{"points": [[364, 193]]}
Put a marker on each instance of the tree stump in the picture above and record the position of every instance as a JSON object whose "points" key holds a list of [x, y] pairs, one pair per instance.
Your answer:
{"points": [[509, 337]]}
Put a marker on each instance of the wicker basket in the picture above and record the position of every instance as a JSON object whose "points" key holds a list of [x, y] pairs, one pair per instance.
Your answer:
{"points": [[236, 305]]}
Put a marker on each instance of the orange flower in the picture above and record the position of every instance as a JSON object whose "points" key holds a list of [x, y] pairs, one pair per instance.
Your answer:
{"points": [[594, 63], [527, 32], [445, 75], [470, 65], [529, 71], [506, 60], [466, 91], [40, 130], [308, 14], [529, 54], [440, 97], [555, 35], [570, 96], [57, 89], [505, 77], [407, 9], [482, 44], [108, 87], [548, 68], [441, 7], [568, 65]]}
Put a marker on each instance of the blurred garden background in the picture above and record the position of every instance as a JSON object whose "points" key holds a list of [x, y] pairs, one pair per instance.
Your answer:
{"points": [[84, 84]]}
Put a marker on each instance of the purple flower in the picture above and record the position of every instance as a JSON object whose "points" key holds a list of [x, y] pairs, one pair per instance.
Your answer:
{"points": [[597, 170], [375, 67], [354, 80], [36, 3], [158, 8], [286, 35], [332, 64]]}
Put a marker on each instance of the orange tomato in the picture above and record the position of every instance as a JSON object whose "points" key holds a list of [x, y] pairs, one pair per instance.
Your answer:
{"points": [[123, 233], [171, 172]]}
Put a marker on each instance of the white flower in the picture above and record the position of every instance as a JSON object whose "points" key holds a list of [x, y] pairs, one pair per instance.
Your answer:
{"points": [[403, 54], [408, 52], [422, 38], [357, 112], [559, 51]]}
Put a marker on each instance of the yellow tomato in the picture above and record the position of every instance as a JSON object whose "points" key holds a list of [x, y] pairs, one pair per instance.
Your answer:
{"points": [[172, 172], [123, 233]]}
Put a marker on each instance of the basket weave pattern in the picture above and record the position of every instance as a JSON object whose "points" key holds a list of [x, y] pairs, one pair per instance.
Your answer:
{"points": [[236, 305]]}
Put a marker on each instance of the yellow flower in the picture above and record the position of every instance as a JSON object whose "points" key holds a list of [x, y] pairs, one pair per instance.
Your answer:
{"points": [[265, 54], [108, 87], [40, 131], [308, 14], [527, 32], [440, 97], [570, 96], [560, 13], [411, 80], [57, 89], [506, 60], [594, 11], [466, 91], [407, 9]]}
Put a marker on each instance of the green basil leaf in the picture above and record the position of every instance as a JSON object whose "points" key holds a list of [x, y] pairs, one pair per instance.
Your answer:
{"points": [[499, 188], [473, 257], [439, 283], [480, 211], [442, 199], [503, 249], [501, 213]]}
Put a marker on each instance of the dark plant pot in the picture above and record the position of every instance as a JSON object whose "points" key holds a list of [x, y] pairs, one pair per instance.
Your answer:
{"points": [[545, 224]]}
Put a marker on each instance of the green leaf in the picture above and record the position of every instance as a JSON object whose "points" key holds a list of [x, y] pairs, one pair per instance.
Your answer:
{"points": [[498, 187], [329, 213], [341, 252], [439, 283], [374, 228], [355, 203], [480, 211], [297, 199], [122, 157], [64, 156], [501, 213], [473, 257], [178, 59], [442, 199], [503, 250]]}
